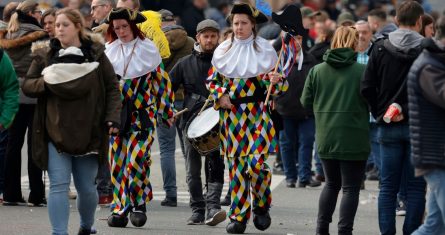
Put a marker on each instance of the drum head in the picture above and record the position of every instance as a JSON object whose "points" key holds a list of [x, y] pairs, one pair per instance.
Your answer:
{"points": [[201, 124]]}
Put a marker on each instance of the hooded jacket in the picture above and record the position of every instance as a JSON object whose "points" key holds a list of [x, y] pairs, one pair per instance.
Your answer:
{"points": [[18, 46], [341, 115], [77, 96], [426, 86], [288, 105], [384, 80]]}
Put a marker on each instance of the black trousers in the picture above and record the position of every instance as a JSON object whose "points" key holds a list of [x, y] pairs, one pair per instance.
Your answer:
{"points": [[13, 159], [340, 174], [193, 162]]}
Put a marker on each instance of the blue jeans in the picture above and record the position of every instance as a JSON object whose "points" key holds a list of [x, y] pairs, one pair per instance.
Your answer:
{"points": [[296, 144], [435, 220], [84, 170], [395, 150], [167, 147], [3, 145]]}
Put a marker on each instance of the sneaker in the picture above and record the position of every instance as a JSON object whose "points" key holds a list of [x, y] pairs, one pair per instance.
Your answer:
{"points": [[215, 216], [310, 183], [278, 168], [196, 219], [105, 201], [401, 209], [21, 202], [37, 204], [169, 201]]}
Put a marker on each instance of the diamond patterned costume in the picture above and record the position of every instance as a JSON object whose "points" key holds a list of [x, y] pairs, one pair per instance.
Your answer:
{"points": [[247, 137], [145, 97]]}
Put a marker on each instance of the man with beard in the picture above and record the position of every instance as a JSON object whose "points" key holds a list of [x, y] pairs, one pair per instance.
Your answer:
{"points": [[192, 71]]}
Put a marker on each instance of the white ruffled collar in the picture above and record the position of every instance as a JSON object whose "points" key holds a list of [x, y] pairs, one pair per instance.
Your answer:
{"points": [[145, 57], [242, 60]]}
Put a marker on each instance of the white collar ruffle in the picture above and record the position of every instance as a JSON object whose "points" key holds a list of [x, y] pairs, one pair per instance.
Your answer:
{"points": [[242, 60], [145, 57]]}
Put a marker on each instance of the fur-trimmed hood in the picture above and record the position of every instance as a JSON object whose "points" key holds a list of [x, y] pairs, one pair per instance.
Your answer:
{"points": [[21, 41]]}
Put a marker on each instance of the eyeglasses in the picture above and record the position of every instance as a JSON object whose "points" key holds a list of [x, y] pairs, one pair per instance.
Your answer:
{"points": [[93, 8]]}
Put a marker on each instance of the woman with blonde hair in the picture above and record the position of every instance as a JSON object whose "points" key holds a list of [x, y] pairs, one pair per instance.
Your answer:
{"points": [[23, 29], [342, 129], [78, 105]]}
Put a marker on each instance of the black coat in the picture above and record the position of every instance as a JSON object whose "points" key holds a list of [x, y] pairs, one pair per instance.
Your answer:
{"points": [[426, 83], [190, 18], [384, 80], [191, 72], [288, 104]]}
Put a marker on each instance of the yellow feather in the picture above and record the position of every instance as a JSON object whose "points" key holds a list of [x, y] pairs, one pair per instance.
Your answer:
{"points": [[152, 30]]}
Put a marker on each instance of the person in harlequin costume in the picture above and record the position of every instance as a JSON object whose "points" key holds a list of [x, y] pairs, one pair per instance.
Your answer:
{"points": [[146, 93], [238, 84]]}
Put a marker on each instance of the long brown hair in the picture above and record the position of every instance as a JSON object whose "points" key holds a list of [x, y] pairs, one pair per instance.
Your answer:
{"points": [[254, 31], [76, 17], [112, 36]]}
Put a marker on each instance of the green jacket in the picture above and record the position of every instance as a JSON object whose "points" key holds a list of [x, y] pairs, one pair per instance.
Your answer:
{"points": [[341, 113], [9, 91]]}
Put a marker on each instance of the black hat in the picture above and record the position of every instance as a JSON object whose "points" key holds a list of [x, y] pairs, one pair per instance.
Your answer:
{"points": [[244, 8], [126, 14], [290, 20]]}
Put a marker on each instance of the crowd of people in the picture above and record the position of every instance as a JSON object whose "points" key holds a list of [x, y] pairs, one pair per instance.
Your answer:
{"points": [[89, 83]]}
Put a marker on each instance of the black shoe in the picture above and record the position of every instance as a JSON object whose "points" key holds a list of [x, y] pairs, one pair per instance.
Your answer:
{"points": [[169, 201], [84, 231], [42, 203], [197, 218], [215, 216], [225, 201], [115, 220], [261, 218], [20, 202], [290, 184], [236, 227], [320, 178], [138, 217], [373, 175], [310, 183]]}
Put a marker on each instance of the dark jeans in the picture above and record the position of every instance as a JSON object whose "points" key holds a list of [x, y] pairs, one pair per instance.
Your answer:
{"points": [[103, 179], [193, 164], [395, 150], [13, 159], [3, 144], [296, 145], [340, 174]]}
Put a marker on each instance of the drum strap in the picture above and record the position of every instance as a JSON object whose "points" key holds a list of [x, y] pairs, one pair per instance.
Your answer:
{"points": [[249, 99]]}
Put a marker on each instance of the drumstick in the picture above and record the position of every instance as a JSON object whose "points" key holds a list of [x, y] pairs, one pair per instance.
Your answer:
{"points": [[181, 112], [204, 106]]}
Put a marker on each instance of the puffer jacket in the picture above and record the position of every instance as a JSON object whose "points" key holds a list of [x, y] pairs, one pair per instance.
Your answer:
{"points": [[77, 97]]}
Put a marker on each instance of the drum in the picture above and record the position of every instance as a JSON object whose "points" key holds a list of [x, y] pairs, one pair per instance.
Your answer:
{"points": [[203, 131]]}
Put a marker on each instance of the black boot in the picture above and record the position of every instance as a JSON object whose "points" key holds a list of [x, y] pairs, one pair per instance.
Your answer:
{"points": [[261, 218], [116, 220], [138, 216], [214, 213], [236, 227]]}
